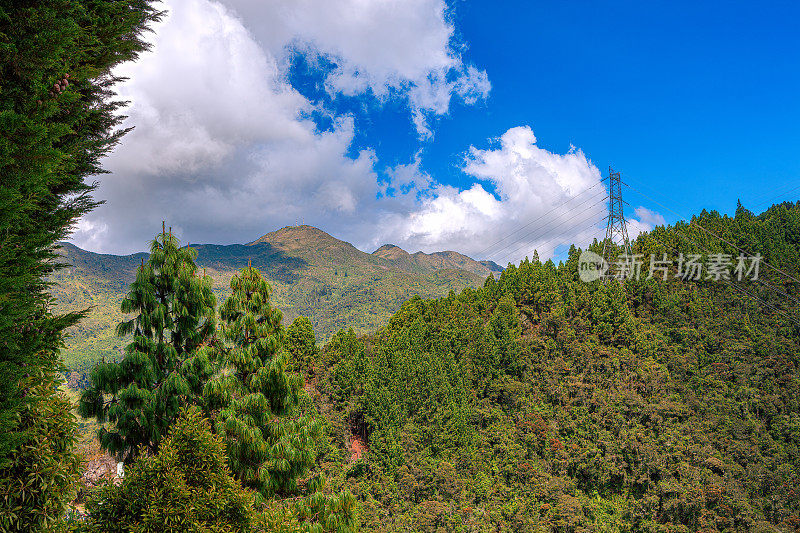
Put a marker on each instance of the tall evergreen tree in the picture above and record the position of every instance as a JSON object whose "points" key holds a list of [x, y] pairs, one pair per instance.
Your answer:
{"points": [[175, 315], [57, 119], [253, 393], [270, 443]]}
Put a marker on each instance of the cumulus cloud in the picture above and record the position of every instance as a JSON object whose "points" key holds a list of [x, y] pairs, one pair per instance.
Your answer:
{"points": [[224, 150], [377, 47], [526, 198]]}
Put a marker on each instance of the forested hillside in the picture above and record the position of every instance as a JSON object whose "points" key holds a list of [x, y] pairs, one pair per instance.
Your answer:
{"points": [[541, 402], [312, 274]]}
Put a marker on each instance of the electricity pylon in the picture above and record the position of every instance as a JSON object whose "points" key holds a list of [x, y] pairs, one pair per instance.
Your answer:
{"points": [[616, 230]]}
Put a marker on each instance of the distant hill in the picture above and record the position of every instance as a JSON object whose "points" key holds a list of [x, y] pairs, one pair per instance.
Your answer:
{"points": [[311, 272], [422, 262]]}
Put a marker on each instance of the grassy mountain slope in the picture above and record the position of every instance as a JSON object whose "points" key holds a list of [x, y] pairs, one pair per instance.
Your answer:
{"points": [[312, 274], [540, 402]]}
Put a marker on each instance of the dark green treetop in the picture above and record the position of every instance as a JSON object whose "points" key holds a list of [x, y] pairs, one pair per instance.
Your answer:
{"points": [[301, 343], [174, 316], [271, 442], [57, 119], [252, 394]]}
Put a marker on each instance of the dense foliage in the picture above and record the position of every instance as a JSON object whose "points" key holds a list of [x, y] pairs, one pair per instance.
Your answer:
{"points": [[271, 441], [41, 475], [540, 401], [302, 344], [142, 394], [57, 120], [186, 486]]}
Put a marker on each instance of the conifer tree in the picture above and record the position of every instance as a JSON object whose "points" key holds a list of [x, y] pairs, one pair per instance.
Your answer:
{"points": [[270, 443], [252, 394], [58, 118], [175, 316]]}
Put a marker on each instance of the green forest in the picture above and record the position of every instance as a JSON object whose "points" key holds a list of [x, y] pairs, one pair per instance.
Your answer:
{"points": [[540, 402]]}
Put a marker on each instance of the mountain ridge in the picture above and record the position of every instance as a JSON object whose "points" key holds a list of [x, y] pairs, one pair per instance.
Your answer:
{"points": [[312, 273]]}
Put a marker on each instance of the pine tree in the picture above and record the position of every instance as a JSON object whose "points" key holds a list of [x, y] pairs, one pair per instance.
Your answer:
{"points": [[163, 367], [253, 394], [270, 443]]}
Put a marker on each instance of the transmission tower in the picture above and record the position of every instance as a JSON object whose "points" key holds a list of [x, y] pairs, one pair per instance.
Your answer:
{"points": [[616, 230]]}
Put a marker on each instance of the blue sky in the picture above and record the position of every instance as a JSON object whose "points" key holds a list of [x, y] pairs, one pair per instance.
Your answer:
{"points": [[699, 101], [695, 103]]}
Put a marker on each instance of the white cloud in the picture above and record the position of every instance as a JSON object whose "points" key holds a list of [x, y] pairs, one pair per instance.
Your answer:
{"points": [[380, 47], [205, 89], [648, 217], [89, 234], [643, 220], [519, 182], [220, 147]]}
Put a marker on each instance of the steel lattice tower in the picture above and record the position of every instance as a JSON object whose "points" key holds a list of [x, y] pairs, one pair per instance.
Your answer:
{"points": [[616, 230]]}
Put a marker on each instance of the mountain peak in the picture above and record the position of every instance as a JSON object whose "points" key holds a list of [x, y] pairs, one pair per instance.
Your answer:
{"points": [[292, 236], [390, 251]]}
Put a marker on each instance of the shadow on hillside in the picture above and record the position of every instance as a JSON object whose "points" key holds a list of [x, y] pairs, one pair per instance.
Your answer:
{"points": [[272, 263]]}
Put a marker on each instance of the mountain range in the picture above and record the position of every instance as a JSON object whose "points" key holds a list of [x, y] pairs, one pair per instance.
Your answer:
{"points": [[312, 273]]}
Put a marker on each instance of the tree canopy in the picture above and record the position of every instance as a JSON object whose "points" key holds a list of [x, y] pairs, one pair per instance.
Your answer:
{"points": [[174, 315], [58, 119], [543, 402]]}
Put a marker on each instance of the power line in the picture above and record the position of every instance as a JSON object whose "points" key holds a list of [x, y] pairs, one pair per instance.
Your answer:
{"points": [[740, 289], [564, 232], [527, 236], [731, 284], [478, 254], [765, 303], [761, 203], [761, 281], [712, 233]]}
